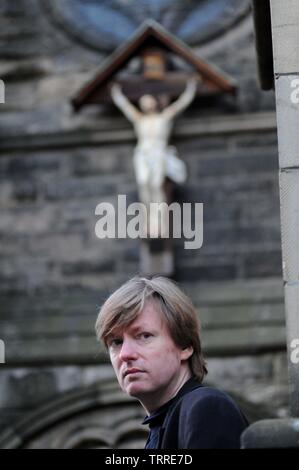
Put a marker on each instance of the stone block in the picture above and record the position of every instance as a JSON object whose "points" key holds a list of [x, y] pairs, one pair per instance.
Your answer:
{"points": [[238, 292], [240, 164], [24, 165], [250, 340], [292, 317], [264, 140], [200, 273], [289, 192], [82, 267], [68, 188], [292, 309], [266, 263], [237, 371], [102, 161], [288, 119], [285, 33], [26, 190], [272, 434]]}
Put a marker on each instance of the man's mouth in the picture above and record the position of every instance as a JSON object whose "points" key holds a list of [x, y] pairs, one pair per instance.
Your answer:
{"points": [[133, 370]]}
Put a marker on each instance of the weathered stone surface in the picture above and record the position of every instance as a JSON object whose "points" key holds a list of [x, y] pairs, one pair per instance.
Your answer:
{"points": [[21, 387], [272, 434], [77, 349], [55, 167], [289, 190], [285, 18], [287, 119], [81, 418], [292, 318], [260, 380]]}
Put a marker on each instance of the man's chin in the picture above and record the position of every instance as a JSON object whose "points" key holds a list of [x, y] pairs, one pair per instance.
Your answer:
{"points": [[135, 390]]}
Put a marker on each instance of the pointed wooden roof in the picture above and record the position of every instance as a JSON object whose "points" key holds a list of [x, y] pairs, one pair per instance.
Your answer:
{"points": [[151, 34]]}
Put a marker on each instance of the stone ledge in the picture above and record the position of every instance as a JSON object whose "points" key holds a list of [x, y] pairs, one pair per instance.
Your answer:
{"points": [[112, 131]]}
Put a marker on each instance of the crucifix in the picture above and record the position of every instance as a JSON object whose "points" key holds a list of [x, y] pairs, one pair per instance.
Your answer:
{"points": [[152, 78], [154, 159]]}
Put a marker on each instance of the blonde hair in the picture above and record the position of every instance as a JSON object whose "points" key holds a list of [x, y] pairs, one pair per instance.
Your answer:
{"points": [[125, 304]]}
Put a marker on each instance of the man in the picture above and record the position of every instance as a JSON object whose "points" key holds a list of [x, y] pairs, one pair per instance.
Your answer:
{"points": [[151, 330]]}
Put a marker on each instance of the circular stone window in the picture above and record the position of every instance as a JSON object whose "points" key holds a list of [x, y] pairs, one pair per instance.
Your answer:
{"points": [[105, 24]]}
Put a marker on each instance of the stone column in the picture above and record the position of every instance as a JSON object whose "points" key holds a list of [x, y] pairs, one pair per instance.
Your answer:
{"points": [[284, 433], [285, 34]]}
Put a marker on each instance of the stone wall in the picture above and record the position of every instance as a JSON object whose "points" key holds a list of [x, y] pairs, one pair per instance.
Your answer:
{"points": [[55, 167], [49, 196]]}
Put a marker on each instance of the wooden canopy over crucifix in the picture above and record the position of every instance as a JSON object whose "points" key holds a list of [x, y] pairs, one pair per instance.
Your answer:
{"points": [[155, 72]]}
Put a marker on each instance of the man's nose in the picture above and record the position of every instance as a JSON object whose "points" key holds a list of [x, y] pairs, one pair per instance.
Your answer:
{"points": [[128, 351]]}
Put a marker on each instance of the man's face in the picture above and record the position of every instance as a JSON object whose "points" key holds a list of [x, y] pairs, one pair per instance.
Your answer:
{"points": [[147, 363]]}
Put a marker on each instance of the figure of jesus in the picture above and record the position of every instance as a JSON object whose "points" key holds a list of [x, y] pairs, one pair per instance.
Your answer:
{"points": [[154, 159]]}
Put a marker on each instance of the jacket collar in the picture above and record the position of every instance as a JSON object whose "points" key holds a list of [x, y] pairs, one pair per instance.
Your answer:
{"points": [[157, 417]]}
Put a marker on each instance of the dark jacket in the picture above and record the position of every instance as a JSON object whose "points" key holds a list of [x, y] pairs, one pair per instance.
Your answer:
{"points": [[198, 417]]}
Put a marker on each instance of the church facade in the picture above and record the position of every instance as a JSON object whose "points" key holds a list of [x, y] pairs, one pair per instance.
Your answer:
{"points": [[57, 389]]}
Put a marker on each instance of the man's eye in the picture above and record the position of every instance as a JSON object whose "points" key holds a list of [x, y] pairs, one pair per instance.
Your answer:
{"points": [[145, 335], [115, 342]]}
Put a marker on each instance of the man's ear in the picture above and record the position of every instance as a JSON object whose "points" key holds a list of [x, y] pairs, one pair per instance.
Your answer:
{"points": [[186, 353]]}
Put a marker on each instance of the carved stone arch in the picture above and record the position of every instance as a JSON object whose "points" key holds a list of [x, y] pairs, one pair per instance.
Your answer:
{"points": [[128, 435], [82, 437], [100, 416]]}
